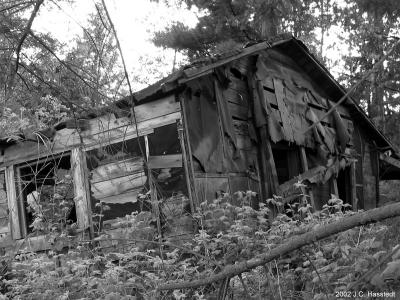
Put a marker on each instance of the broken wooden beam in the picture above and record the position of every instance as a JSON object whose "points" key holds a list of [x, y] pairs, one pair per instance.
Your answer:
{"points": [[165, 161]]}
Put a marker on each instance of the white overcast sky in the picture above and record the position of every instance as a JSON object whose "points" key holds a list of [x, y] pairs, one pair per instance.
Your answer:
{"points": [[135, 21]]}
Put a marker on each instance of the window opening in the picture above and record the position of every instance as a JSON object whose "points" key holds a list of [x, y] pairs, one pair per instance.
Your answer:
{"points": [[46, 194], [117, 177], [287, 161]]}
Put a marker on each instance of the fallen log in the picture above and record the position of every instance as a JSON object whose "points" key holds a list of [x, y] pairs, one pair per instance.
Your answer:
{"points": [[323, 231]]}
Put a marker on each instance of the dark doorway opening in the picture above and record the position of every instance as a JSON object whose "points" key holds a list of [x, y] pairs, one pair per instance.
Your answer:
{"points": [[343, 184]]}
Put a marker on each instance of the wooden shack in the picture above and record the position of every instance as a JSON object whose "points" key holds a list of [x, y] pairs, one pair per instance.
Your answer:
{"points": [[237, 122]]}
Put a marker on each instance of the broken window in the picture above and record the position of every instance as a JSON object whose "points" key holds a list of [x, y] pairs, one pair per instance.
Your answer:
{"points": [[165, 161], [287, 161], [46, 194], [117, 178]]}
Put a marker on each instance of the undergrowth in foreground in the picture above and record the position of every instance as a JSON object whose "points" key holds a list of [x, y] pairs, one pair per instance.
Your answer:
{"points": [[132, 266]]}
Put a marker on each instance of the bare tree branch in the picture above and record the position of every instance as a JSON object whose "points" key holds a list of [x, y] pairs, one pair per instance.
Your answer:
{"points": [[26, 32], [64, 64], [295, 243], [120, 51]]}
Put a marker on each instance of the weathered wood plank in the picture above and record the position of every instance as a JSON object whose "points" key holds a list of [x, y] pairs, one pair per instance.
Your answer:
{"points": [[81, 189], [118, 185], [283, 110], [129, 197], [243, 65], [353, 186], [270, 97], [238, 111], [195, 71], [236, 97], [271, 175], [67, 139], [20, 198], [304, 166], [238, 85], [243, 142], [117, 169], [12, 203], [165, 161], [143, 113], [207, 189], [390, 160]]}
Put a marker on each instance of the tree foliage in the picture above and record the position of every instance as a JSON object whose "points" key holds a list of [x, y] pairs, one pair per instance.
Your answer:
{"points": [[43, 81], [227, 23], [372, 27]]}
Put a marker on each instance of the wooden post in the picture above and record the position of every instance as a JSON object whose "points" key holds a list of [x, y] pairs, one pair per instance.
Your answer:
{"points": [[82, 200], [21, 205], [353, 186], [266, 153], [186, 166], [13, 203], [304, 166], [153, 191], [186, 141]]}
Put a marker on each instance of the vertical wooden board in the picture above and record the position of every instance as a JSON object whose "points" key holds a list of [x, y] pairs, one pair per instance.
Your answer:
{"points": [[270, 97], [369, 180], [208, 188], [81, 189], [286, 121], [236, 97], [238, 85], [238, 111], [304, 166], [186, 166], [270, 175], [21, 202], [353, 186], [237, 184], [13, 202], [321, 194], [243, 65], [268, 83]]}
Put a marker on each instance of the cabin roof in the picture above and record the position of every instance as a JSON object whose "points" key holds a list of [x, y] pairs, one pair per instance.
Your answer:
{"points": [[291, 47]]}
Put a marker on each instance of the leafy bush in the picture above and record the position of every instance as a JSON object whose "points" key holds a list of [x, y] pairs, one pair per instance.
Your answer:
{"points": [[132, 265]]}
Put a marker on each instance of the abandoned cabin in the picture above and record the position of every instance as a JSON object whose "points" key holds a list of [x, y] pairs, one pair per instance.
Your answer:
{"points": [[237, 122]]}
